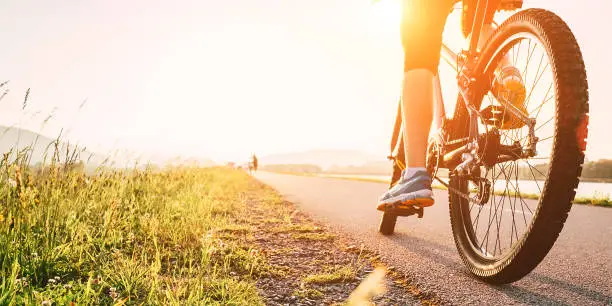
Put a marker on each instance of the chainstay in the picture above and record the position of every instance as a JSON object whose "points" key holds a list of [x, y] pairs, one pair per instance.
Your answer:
{"points": [[456, 191]]}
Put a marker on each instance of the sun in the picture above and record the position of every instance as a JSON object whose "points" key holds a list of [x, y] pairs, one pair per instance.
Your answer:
{"points": [[387, 14]]}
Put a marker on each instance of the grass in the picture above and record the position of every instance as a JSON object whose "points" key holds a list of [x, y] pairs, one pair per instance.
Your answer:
{"points": [[171, 237], [335, 275], [125, 237], [297, 228], [596, 200], [308, 293]]}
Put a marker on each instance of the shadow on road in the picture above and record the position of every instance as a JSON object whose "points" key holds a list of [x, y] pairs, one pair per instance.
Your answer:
{"points": [[556, 284], [526, 296], [437, 252], [553, 287], [449, 258]]}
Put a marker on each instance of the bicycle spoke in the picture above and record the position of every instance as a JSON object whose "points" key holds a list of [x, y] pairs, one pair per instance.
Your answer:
{"points": [[544, 139], [517, 187], [501, 214], [540, 126], [478, 216], [518, 191], [543, 124], [510, 208], [494, 217], [529, 55], [538, 77], [501, 210], [529, 209], [540, 158], [517, 52], [531, 168], [546, 100], [486, 236]]}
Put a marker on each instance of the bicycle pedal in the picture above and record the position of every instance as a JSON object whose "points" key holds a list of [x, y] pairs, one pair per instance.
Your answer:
{"points": [[402, 210]]}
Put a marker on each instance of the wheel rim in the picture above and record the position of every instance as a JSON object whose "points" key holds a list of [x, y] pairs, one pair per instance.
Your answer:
{"points": [[497, 227]]}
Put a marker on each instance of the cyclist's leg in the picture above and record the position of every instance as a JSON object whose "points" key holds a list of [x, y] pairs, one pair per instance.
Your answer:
{"points": [[422, 26]]}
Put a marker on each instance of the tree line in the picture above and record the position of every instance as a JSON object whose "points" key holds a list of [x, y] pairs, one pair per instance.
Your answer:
{"points": [[600, 170]]}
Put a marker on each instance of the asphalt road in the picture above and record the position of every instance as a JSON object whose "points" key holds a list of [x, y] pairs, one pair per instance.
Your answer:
{"points": [[577, 271]]}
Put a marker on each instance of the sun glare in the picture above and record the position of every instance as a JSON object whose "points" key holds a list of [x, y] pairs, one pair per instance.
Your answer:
{"points": [[387, 13]]}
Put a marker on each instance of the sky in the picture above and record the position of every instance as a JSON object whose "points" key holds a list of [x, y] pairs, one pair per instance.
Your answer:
{"points": [[223, 79]]}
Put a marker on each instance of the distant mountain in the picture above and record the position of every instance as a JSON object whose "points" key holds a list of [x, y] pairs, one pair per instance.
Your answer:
{"points": [[190, 161], [323, 158], [14, 140]]}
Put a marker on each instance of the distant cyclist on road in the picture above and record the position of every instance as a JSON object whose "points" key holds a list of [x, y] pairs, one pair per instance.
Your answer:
{"points": [[253, 164]]}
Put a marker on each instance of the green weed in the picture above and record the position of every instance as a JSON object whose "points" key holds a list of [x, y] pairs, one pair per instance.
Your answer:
{"points": [[125, 236]]}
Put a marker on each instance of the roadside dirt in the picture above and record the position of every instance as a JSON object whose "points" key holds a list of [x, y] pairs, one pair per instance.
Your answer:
{"points": [[309, 265]]}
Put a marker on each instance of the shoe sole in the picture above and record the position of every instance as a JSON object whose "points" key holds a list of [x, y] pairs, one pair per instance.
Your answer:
{"points": [[424, 202]]}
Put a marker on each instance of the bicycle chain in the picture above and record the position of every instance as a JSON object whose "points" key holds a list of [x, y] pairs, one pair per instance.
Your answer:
{"points": [[457, 191]]}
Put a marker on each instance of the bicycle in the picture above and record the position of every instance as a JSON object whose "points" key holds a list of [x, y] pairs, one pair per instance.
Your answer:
{"points": [[253, 164], [251, 167], [500, 233]]}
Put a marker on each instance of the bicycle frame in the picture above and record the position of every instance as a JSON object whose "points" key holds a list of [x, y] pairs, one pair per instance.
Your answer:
{"points": [[470, 90], [490, 138]]}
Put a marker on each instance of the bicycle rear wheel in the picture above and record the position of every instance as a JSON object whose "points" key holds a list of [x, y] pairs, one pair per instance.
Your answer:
{"points": [[505, 238]]}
